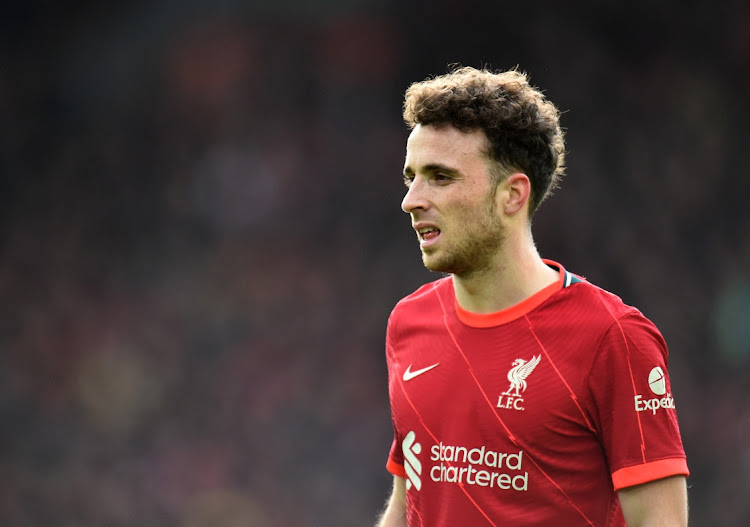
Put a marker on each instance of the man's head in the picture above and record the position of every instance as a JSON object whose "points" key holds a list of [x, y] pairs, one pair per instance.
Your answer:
{"points": [[521, 126]]}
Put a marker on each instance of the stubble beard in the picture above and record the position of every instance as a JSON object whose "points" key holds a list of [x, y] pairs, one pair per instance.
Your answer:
{"points": [[476, 251]]}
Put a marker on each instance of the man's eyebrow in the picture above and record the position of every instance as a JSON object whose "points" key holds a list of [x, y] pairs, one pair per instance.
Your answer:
{"points": [[432, 167]]}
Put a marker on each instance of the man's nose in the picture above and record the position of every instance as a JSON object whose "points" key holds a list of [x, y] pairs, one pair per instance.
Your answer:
{"points": [[415, 197]]}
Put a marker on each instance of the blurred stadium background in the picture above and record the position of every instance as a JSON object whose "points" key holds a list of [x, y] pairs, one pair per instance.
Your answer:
{"points": [[201, 240]]}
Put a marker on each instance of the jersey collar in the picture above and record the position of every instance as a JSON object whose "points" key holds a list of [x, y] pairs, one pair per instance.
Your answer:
{"points": [[488, 320]]}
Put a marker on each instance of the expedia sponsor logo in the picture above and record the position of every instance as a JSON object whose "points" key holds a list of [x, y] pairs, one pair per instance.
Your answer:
{"points": [[658, 385], [654, 404]]}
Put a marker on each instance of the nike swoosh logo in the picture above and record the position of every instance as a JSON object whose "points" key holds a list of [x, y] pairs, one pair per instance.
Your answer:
{"points": [[409, 375]]}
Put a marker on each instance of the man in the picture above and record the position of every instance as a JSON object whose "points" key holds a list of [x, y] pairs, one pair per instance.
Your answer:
{"points": [[520, 393]]}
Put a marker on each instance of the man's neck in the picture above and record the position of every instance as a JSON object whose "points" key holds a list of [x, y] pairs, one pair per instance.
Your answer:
{"points": [[517, 274]]}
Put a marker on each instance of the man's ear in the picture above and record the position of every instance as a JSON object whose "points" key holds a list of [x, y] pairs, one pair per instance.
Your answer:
{"points": [[514, 194]]}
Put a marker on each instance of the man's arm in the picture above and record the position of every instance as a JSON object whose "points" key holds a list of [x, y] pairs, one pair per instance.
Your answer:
{"points": [[395, 512], [659, 503]]}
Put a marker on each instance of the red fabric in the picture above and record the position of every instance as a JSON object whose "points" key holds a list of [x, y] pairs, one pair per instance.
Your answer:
{"points": [[539, 445], [638, 474]]}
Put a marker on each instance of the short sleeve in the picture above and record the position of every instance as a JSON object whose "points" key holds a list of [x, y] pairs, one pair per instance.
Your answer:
{"points": [[395, 463], [634, 407]]}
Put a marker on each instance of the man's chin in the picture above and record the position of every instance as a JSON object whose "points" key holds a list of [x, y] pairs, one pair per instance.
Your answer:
{"points": [[435, 264]]}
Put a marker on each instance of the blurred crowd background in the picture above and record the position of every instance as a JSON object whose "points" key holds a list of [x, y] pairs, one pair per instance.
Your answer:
{"points": [[201, 238]]}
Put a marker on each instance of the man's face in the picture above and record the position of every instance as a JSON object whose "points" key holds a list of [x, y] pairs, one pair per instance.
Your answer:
{"points": [[451, 199]]}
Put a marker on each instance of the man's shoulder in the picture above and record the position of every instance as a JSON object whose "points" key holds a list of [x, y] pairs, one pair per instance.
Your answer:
{"points": [[586, 297], [429, 294]]}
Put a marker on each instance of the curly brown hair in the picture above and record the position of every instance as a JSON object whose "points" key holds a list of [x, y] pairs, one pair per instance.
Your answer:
{"points": [[522, 126]]}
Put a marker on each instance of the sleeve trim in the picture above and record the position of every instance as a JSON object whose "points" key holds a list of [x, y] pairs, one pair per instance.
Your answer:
{"points": [[395, 468], [637, 474]]}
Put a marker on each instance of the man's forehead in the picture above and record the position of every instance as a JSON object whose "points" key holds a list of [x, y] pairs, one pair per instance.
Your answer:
{"points": [[444, 145]]}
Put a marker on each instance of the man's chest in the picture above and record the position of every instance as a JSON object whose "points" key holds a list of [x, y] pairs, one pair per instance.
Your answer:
{"points": [[501, 387]]}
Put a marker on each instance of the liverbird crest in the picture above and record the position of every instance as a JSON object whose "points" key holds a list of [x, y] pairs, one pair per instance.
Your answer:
{"points": [[518, 373]]}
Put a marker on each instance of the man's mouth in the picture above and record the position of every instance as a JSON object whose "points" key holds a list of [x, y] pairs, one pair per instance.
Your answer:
{"points": [[428, 233], [428, 236]]}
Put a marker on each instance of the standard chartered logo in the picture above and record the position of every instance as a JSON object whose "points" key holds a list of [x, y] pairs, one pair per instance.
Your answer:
{"points": [[412, 465], [472, 466]]}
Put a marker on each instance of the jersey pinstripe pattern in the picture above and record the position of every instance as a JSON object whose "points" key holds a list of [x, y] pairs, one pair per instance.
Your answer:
{"points": [[554, 449]]}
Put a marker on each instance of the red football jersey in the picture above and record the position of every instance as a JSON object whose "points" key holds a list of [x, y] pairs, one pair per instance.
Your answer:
{"points": [[535, 415]]}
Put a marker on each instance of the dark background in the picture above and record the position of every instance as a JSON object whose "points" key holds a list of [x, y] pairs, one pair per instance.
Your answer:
{"points": [[201, 239]]}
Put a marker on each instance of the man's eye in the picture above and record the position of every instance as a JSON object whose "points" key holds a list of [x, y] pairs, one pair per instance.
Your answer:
{"points": [[408, 180], [442, 178]]}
